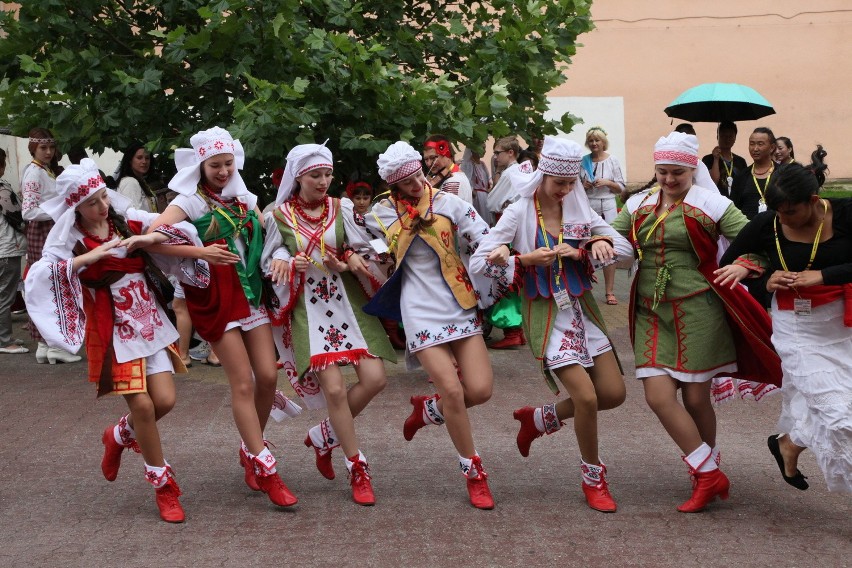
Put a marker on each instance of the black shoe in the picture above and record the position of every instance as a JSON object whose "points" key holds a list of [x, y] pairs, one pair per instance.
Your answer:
{"points": [[798, 480]]}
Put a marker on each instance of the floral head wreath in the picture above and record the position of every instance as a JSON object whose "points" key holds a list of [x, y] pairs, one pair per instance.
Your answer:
{"points": [[596, 128], [441, 147]]}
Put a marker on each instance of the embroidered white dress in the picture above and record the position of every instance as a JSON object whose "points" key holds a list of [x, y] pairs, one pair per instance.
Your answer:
{"points": [[54, 296], [37, 186], [319, 321], [574, 337], [430, 312]]}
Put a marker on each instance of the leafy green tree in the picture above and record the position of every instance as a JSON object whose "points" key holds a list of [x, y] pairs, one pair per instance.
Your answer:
{"points": [[361, 73]]}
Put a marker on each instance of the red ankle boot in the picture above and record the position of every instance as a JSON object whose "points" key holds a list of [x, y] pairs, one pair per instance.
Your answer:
{"points": [[323, 460], [706, 486], [512, 337], [597, 496], [171, 510], [362, 488], [251, 479], [528, 431], [477, 487], [274, 487], [111, 461], [415, 421]]}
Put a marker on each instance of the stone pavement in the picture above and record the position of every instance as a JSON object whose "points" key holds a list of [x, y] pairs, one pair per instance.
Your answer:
{"points": [[57, 510]]}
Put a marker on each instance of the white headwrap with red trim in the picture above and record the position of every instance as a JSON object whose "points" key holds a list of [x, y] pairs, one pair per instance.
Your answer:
{"points": [[205, 145], [300, 160], [677, 149], [398, 162], [76, 184], [560, 157]]}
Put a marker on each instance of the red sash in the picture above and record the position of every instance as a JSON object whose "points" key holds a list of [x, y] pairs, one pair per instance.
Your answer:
{"points": [[819, 296]]}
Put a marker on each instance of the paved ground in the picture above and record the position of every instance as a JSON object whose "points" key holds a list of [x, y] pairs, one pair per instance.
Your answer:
{"points": [[57, 510]]}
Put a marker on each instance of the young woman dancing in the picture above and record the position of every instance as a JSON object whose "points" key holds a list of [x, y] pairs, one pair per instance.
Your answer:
{"points": [[91, 286], [320, 304], [229, 313], [555, 236]]}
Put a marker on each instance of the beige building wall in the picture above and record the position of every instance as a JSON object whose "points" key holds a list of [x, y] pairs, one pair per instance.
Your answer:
{"points": [[798, 55]]}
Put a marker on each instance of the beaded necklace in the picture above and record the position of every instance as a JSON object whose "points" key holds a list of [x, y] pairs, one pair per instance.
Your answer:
{"points": [[318, 235], [300, 205], [110, 233]]}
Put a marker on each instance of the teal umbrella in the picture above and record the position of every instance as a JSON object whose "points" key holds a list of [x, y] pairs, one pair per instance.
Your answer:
{"points": [[719, 102]]}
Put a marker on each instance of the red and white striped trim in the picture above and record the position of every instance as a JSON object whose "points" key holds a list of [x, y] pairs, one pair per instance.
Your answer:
{"points": [[407, 169], [559, 167], [676, 157]]}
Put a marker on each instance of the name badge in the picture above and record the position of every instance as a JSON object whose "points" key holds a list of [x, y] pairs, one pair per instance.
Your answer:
{"points": [[802, 306], [730, 181], [563, 299], [379, 245], [761, 206]]}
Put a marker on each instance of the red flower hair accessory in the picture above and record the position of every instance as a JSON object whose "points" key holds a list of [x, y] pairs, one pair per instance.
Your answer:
{"points": [[352, 188], [441, 147]]}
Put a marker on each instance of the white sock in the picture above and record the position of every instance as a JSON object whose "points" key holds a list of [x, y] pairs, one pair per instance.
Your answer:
{"points": [[431, 414], [360, 458], [700, 459], [267, 462], [592, 474], [324, 437], [466, 465], [124, 432], [546, 420], [157, 476]]}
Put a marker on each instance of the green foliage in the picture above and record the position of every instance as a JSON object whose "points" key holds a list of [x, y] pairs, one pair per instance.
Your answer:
{"points": [[361, 73]]}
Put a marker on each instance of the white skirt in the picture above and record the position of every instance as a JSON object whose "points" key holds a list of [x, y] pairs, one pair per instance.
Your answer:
{"points": [[816, 411], [574, 340]]}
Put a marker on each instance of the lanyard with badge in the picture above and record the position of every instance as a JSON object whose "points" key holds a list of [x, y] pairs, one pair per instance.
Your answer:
{"points": [[560, 293], [802, 306], [729, 171], [761, 205]]}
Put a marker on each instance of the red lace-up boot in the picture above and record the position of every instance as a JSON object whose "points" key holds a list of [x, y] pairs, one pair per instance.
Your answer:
{"points": [[359, 479], [323, 439], [477, 485], [596, 489], [529, 430], [425, 412], [323, 459], [270, 482], [248, 466], [111, 461], [168, 503], [707, 484]]}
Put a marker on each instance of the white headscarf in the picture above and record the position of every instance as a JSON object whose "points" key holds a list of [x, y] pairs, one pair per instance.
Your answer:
{"points": [[76, 184], [560, 157], [205, 145], [677, 149], [302, 159], [398, 162]]}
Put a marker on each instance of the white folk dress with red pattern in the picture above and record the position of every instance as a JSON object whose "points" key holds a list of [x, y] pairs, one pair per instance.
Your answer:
{"points": [[141, 328], [318, 321]]}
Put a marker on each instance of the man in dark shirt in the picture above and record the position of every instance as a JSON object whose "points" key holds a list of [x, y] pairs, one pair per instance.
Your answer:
{"points": [[749, 185], [723, 164]]}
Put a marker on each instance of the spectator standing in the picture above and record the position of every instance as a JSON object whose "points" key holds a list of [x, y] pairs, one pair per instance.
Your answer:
{"points": [[443, 173], [723, 164], [12, 248]]}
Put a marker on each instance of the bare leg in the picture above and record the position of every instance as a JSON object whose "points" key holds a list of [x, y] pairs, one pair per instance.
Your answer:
{"points": [[581, 390], [334, 389], [790, 452], [696, 400], [438, 363], [371, 381], [661, 396], [609, 386], [471, 354], [262, 357], [184, 327], [237, 366], [609, 278], [146, 409]]}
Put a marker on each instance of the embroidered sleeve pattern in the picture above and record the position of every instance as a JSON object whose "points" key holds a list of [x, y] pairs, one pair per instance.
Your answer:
{"points": [[65, 289], [754, 262], [32, 195], [174, 235]]}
